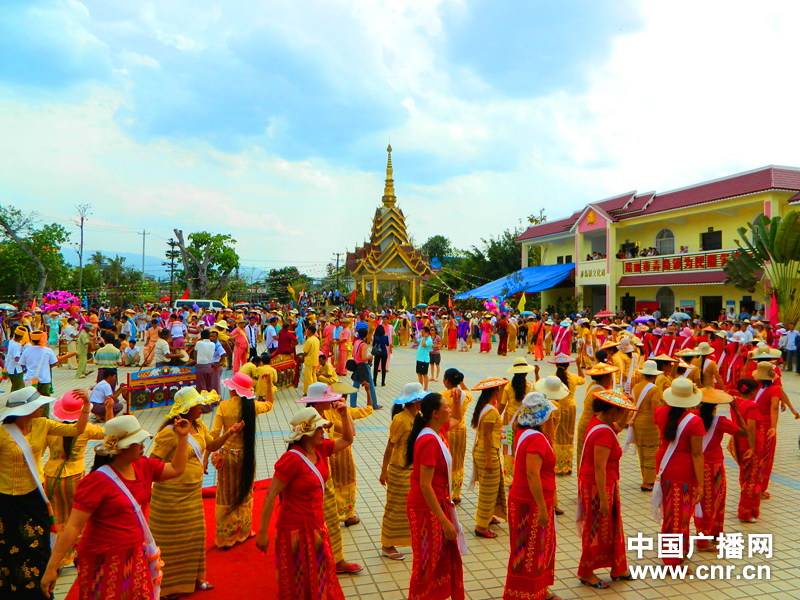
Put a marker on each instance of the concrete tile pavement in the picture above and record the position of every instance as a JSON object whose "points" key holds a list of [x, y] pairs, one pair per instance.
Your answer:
{"points": [[485, 567]]}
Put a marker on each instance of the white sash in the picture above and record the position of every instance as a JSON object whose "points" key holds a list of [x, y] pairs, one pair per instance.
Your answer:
{"points": [[630, 438], [657, 500], [19, 439], [151, 550], [688, 371], [559, 336], [579, 513], [452, 515], [478, 440], [672, 346], [312, 466], [686, 340], [658, 345], [733, 361], [707, 364], [193, 443], [631, 367]]}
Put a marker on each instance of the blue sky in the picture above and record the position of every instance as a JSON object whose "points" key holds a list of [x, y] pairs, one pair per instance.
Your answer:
{"points": [[269, 120]]}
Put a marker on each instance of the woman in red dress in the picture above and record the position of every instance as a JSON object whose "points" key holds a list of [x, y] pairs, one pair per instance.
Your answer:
{"points": [[113, 557], [452, 333], [602, 539], [747, 453], [531, 507], [711, 521], [679, 460], [305, 569], [437, 539]]}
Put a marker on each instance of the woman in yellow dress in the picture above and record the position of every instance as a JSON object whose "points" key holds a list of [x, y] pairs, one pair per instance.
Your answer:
{"points": [[564, 438], [642, 429], [487, 469], [586, 352], [176, 516], [602, 379], [235, 459], [666, 364], [402, 331], [453, 381], [548, 336], [513, 395], [396, 474]]}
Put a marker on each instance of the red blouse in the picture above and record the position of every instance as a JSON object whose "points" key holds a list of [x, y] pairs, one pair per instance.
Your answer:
{"points": [[749, 410], [764, 401], [301, 499], [113, 521], [680, 467], [533, 444], [601, 437], [428, 452], [713, 452]]}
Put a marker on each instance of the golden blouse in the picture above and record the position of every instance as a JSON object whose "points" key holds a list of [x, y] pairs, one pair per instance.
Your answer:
{"points": [[76, 463], [166, 443], [229, 412], [399, 429], [466, 398]]}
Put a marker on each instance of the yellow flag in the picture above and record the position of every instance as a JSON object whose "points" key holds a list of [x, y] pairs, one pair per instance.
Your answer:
{"points": [[291, 291], [225, 300], [521, 305], [433, 299], [404, 303]]}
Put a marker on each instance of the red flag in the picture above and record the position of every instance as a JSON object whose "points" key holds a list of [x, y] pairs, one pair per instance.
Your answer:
{"points": [[449, 302], [185, 294], [33, 304], [353, 297], [773, 310]]}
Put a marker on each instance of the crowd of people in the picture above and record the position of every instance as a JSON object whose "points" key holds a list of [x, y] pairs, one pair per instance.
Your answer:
{"points": [[659, 383]]}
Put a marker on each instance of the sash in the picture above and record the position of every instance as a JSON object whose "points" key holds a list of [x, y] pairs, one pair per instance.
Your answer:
{"points": [[579, 512], [707, 364], [698, 509], [311, 466], [631, 367], [688, 371], [672, 347], [19, 439], [478, 440], [193, 443], [559, 335], [152, 552], [733, 361], [34, 381], [658, 346], [657, 500], [630, 438], [685, 341], [452, 515]]}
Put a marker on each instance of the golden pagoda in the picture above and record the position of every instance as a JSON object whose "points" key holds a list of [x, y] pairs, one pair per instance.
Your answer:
{"points": [[389, 255]]}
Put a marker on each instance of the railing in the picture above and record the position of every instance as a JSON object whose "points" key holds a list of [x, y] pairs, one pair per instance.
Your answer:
{"points": [[713, 259]]}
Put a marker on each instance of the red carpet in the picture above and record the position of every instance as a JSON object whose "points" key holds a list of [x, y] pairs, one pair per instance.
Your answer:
{"points": [[241, 573]]}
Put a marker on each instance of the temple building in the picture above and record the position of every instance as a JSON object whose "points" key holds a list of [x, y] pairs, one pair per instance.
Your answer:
{"points": [[389, 255]]}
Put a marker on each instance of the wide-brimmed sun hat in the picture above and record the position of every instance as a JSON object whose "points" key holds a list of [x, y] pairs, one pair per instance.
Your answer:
{"points": [[625, 346], [412, 392], [650, 367], [765, 372], [520, 366], [121, 432], [609, 344], [241, 383], [688, 352], [562, 359], [187, 398], [683, 394], [764, 352], [490, 382], [318, 392], [305, 421], [615, 399], [664, 358], [25, 401], [602, 369], [704, 349], [68, 407], [340, 387], [552, 387], [536, 408], [712, 396]]}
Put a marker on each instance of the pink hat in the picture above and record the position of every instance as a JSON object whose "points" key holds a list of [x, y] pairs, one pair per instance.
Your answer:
{"points": [[319, 392], [68, 407], [686, 332], [241, 384]]}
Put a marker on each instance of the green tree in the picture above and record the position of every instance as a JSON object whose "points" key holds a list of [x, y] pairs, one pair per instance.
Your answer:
{"points": [[208, 262], [438, 247]]}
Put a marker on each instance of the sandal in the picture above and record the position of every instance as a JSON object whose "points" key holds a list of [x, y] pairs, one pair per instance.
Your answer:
{"points": [[351, 521], [398, 556], [495, 521], [644, 488], [488, 534], [456, 500], [203, 586], [350, 569], [600, 585], [765, 495], [627, 577], [558, 512]]}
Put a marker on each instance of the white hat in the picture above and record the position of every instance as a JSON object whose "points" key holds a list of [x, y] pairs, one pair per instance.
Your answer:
{"points": [[412, 392], [704, 348], [683, 394], [319, 392], [625, 346], [536, 409], [26, 401], [552, 387], [122, 432], [650, 367], [520, 366], [305, 421]]}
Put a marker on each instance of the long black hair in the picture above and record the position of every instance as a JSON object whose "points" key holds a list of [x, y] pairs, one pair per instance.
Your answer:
{"points": [[673, 418], [561, 373], [397, 409], [249, 450], [483, 400], [519, 384], [707, 413], [430, 403], [101, 460]]}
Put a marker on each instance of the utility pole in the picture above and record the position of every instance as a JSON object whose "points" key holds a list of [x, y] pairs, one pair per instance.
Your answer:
{"points": [[337, 254], [172, 254], [83, 215], [143, 233]]}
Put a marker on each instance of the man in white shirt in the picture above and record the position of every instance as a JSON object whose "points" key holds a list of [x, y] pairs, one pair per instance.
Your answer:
{"points": [[71, 335], [13, 367], [251, 333], [38, 362], [271, 335], [103, 395], [130, 355], [216, 366], [178, 332], [792, 354], [204, 357]]}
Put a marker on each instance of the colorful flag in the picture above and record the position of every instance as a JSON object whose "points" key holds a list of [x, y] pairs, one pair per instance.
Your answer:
{"points": [[290, 290], [521, 305], [225, 300], [449, 302], [185, 294], [353, 297], [433, 299], [404, 303]]}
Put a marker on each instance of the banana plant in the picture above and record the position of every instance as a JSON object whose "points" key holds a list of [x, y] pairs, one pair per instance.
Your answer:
{"points": [[768, 261]]}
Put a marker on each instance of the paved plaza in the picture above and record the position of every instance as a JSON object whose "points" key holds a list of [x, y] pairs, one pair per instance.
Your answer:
{"points": [[485, 567]]}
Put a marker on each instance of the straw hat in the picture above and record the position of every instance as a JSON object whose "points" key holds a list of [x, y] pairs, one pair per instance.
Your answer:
{"points": [[412, 392], [340, 387], [609, 344], [552, 387], [650, 367], [241, 383], [764, 352], [683, 394], [637, 341], [712, 396], [688, 352], [187, 398], [738, 337], [683, 365], [664, 358], [765, 372], [602, 369], [536, 409], [221, 325], [305, 421], [25, 401], [562, 359], [642, 328], [68, 407], [615, 399], [566, 323], [704, 349], [492, 382], [710, 329], [318, 392], [121, 432], [625, 346], [520, 366]]}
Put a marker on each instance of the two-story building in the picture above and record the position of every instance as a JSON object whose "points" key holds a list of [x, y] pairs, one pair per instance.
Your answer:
{"points": [[664, 250]]}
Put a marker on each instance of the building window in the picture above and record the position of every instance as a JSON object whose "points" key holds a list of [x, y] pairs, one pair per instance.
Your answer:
{"points": [[559, 260], [712, 240], [666, 298], [568, 258], [665, 242]]}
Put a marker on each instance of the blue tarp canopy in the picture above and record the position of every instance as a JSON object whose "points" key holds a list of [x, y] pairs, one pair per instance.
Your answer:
{"points": [[532, 279]]}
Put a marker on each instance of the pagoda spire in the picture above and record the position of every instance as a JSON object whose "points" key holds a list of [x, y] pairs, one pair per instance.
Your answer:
{"points": [[388, 191]]}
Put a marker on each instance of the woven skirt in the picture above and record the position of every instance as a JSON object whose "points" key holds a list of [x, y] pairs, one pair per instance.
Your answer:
{"points": [[234, 523], [395, 530]]}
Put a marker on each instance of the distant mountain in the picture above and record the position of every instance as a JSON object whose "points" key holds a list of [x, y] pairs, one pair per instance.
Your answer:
{"points": [[152, 264]]}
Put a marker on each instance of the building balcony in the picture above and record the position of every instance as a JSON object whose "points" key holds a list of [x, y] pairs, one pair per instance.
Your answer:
{"points": [[697, 261]]}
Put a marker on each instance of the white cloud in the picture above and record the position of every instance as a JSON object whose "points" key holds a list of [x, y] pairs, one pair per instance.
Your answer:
{"points": [[140, 59]]}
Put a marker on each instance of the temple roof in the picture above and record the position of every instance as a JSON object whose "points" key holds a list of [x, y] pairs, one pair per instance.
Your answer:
{"points": [[389, 251]]}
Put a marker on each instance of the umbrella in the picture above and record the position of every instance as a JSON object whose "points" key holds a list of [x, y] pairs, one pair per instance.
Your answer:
{"points": [[526, 313], [7, 306], [605, 313], [680, 316], [420, 305], [644, 319], [165, 299], [433, 307]]}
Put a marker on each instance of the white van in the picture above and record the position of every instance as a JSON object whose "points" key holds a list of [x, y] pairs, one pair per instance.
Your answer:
{"points": [[203, 304]]}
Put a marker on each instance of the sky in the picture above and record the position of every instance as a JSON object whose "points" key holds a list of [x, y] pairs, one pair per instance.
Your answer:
{"points": [[269, 120]]}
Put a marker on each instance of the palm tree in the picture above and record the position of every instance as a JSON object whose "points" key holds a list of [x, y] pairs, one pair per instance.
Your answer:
{"points": [[115, 270], [98, 259]]}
